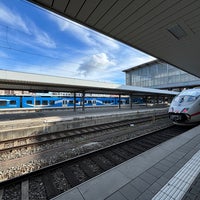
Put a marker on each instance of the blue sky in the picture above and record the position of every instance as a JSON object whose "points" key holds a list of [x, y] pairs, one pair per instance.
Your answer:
{"points": [[38, 41]]}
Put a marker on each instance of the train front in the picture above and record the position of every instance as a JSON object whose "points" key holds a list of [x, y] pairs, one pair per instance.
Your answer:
{"points": [[185, 108]]}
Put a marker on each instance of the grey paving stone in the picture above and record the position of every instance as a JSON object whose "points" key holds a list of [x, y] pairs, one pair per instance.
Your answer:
{"points": [[173, 144], [185, 149], [174, 169], [180, 163], [170, 173], [130, 192], [167, 163], [194, 190], [198, 145], [140, 184], [155, 188], [171, 158], [191, 153], [188, 156], [190, 197], [155, 154], [178, 154], [161, 167], [155, 172], [192, 143], [116, 196], [134, 167], [73, 194], [100, 187], [162, 180], [147, 195], [147, 177]]}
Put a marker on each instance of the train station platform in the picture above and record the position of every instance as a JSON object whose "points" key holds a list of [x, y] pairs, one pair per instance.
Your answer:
{"points": [[64, 113], [167, 171], [55, 120]]}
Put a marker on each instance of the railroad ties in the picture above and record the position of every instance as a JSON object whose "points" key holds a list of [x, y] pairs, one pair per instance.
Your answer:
{"points": [[53, 180]]}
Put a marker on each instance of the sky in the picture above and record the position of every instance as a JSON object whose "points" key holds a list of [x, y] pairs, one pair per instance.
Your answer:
{"points": [[37, 41]]}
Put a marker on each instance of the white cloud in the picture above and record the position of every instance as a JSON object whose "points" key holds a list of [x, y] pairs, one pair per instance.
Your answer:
{"points": [[78, 31], [12, 18], [42, 37], [95, 64], [99, 67], [85, 35], [106, 42], [22, 24]]}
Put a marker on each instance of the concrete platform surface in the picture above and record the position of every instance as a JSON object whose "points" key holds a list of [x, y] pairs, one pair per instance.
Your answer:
{"points": [[65, 114], [166, 171]]}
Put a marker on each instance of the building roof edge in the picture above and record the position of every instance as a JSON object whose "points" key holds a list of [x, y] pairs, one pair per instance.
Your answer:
{"points": [[141, 65]]}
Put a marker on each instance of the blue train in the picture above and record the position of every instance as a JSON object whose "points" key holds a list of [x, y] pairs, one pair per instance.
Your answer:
{"points": [[56, 101]]}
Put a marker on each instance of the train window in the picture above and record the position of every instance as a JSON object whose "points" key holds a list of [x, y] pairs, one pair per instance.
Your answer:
{"points": [[3, 103], [71, 101], [89, 101], [76, 101], [51, 102], [187, 99], [44, 102], [29, 102], [37, 102], [12, 102], [191, 98]]}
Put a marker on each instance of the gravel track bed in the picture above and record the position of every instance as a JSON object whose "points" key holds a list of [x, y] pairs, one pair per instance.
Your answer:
{"points": [[76, 147], [52, 181]]}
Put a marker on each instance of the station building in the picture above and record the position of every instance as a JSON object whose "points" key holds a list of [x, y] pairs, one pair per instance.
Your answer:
{"points": [[160, 75]]}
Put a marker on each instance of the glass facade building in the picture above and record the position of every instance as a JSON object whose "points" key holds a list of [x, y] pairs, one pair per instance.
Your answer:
{"points": [[157, 74]]}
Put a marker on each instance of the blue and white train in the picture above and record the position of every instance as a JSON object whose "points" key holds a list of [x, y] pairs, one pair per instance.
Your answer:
{"points": [[56, 101]]}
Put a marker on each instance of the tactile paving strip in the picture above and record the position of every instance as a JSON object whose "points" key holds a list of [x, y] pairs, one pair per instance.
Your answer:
{"points": [[178, 185]]}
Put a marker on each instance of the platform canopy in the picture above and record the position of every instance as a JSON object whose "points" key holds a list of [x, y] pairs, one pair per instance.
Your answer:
{"points": [[166, 29], [45, 83]]}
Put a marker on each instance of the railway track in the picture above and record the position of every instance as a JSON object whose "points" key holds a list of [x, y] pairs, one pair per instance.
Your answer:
{"points": [[48, 140], [53, 180]]}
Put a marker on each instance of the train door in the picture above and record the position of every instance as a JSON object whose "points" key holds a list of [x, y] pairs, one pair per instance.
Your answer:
{"points": [[94, 102], [64, 103]]}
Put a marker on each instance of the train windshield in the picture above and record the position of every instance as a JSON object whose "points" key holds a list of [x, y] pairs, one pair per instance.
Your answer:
{"points": [[185, 99]]}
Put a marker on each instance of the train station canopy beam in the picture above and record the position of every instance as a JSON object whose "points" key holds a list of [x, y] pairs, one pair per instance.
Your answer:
{"points": [[40, 83], [166, 29]]}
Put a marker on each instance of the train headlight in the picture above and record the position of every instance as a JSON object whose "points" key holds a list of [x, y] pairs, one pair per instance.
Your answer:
{"points": [[185, 110]]}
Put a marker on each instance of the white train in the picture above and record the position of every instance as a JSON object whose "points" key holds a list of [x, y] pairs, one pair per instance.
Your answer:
{"points": [[185, 108]]}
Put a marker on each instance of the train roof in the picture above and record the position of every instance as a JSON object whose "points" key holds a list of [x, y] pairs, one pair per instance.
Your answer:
{"points": [[192, 92]]}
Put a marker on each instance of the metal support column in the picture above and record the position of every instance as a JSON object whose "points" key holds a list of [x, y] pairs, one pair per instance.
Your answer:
{"points": [[146, 99], [34, 100], [131, 101], [119, 101], [83, 100], [157, 99], [163, 100], [74, 101]]}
